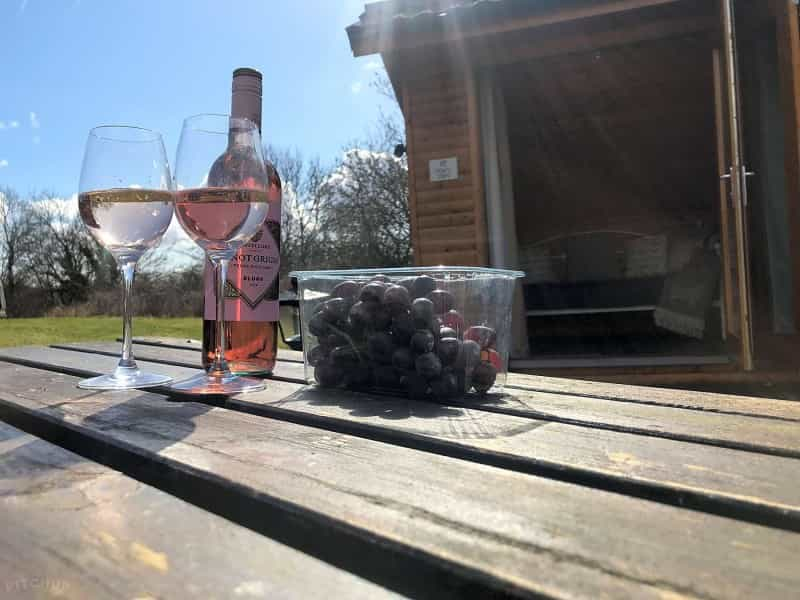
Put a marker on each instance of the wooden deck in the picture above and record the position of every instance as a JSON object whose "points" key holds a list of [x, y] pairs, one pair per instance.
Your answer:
{"points": [[560, 488]]}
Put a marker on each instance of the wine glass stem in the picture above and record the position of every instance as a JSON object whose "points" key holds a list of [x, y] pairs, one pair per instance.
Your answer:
{"points": [[220, 365], [128, 269]]}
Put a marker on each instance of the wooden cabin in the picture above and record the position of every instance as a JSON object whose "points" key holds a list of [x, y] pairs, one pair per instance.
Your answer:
{"points": [[638, 159]]}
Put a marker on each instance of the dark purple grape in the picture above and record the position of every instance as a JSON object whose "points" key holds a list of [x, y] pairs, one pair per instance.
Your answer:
{"points": [[422, 312], [346, 289], [344, 356], [422, 341], [454, 320], [448, 350], [408, 283], [328, 375], [335, 309], [469, 357], [316, 355], [358, 376], [372, 292], [332, 340], [402, 359], [381, 347], [442, 301], [386, 376], [483, 377], [381, 278], [396, 299], [403, 328], [318, 326], [445, 386], [428, 365], [484, 336], [417, 387], [381, 318], [422, 286], [447, 332]]}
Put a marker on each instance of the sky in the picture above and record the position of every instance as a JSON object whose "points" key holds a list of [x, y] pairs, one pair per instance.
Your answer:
{"points": [[69, 65]]}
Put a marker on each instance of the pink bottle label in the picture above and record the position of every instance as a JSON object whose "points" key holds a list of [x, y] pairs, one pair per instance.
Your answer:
{"points": [[251, 293]]}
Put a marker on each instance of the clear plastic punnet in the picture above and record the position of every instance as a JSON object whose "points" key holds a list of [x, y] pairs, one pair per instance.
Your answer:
{"points": [[428, 332]]}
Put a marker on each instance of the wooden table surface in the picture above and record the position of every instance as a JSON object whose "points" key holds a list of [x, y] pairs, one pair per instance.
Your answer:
{"points": [[559, 488]]}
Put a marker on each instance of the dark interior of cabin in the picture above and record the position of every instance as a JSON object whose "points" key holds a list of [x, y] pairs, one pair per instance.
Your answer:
{"points": [[617, 199]]}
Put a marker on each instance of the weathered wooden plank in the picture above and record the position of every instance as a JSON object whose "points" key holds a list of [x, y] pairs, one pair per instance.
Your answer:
{"points": [[755, 487], [693, 400], [73, 528], [740, 431], [284, 370], [496, 528]]}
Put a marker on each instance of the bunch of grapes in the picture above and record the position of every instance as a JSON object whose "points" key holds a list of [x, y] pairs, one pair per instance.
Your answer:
{"points": [[405, 336]]}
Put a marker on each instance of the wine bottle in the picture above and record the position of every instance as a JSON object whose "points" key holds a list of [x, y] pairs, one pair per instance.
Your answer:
{"points": [[251, 290]]}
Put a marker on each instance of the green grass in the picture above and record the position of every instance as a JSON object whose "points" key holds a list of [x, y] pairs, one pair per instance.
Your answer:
{"points": [[40, 332]]}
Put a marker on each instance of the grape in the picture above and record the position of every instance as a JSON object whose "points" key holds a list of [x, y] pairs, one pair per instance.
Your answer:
{"points": [[407, 283], [403, 328], [318, 326], [334, 339], [454, 320], [381, 318], [380, 278], [387, 376], [493, 358], [346, 289], [445, 386], [422, 286], [372, 292], [344, 356], [470, 356], [396, 298], [447, 332], [417, 386], [316, 355], [484, 336], [335, 309], [428, 365], [483, 377], [381, 347], [448, 350], [358, 376], [422, 312], [328, 375], [422, 341], [442, 301], [369, 315], [402, 359]]}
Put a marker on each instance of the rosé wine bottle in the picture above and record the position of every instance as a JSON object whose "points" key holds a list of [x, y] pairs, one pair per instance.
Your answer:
{"points": [[251, 291]]}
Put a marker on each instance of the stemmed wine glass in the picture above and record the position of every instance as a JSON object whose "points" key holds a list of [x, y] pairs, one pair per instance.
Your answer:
{"points": [[125, 200], [221, 202]]}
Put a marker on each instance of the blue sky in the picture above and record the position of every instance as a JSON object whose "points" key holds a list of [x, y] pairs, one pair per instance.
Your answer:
{"points": [[68, 65]]}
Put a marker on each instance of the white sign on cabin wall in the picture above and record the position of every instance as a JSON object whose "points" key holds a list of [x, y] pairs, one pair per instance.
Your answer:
{"points": [[443, 169]]}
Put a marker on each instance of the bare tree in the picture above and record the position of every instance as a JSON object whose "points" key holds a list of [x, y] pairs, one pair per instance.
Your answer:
{"points": [[16, 242]]}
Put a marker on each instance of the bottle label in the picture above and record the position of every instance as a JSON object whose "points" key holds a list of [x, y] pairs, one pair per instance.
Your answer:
{"points": [[251, 289]]}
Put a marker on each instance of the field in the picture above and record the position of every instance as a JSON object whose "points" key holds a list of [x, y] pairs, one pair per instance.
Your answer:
{"points": [[39, 332]]}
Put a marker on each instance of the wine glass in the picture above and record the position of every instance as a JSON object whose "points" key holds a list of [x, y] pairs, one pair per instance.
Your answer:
{"points": [[125, 200], [221, 202]]}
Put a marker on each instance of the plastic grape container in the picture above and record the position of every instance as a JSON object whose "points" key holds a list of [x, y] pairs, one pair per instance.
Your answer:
{"points": [[425, 333]]}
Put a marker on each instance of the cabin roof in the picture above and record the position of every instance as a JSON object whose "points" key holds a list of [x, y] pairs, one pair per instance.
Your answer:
{"points": [[382, 24]]}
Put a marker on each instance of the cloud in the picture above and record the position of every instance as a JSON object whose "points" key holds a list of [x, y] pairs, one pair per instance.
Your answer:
{"points": [[13, 124], [22, 6], [2, 124], [357, 87], [36, 139], [3, 163], [373, 65], [34, 120]]}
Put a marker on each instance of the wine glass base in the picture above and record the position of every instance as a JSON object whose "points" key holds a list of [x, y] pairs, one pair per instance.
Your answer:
{"points": [[126, 381], [228, 384]]}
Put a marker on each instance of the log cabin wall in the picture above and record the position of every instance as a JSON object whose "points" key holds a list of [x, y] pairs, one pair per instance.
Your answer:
{"points": [[441, 116]]}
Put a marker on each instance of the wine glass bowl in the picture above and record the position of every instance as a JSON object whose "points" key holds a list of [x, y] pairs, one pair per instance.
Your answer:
{"points": [[221, 202], [125, 201]]}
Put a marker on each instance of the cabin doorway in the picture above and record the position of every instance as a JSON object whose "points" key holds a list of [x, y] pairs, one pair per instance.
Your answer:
{"points": [[629, 179]]}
